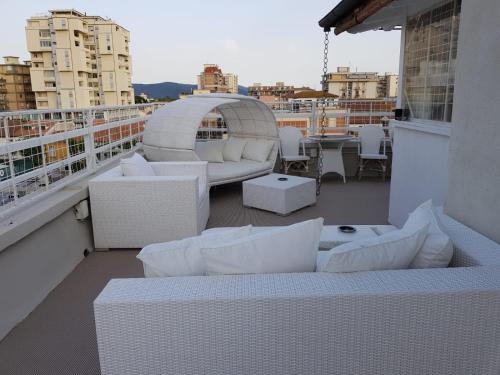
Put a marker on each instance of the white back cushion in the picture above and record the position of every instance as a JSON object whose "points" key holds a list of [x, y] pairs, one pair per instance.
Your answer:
{"points": [[288, 249], [210, 151], [394, 250], [183, 257], [136, 166], [257, 149], [233, 149], [437, 249]]}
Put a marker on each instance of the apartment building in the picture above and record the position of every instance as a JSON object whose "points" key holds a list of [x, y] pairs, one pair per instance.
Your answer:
{"points": [[79, 61], [361, 85], [279, 90], [15, 85], [212, 79], [388, 85]]}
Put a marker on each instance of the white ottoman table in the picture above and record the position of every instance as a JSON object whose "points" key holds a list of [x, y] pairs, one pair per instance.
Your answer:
{"points": [[283, 197]]}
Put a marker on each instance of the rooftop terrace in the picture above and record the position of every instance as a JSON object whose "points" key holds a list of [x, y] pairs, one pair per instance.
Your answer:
{"points": [[59, 336]]}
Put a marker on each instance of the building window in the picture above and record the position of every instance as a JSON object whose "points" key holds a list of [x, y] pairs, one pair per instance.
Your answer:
{"points": [[44, 33], [45, 43], [429, 63], [111, 81], [66, 59]]}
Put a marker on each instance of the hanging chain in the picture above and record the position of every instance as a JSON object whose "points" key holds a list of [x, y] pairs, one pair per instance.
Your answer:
{"points": [[324, 83], [323, 120]]}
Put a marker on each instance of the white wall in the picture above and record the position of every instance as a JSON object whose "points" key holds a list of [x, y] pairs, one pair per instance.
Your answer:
{"points": [[419, 161], [33, 266], [474, 184], [419, 167]]}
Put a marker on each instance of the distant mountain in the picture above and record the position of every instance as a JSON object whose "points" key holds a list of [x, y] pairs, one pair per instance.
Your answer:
{"points": [[170, 89]]}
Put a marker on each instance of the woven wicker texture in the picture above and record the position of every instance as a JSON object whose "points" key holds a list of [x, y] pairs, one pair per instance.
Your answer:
{"points": [[394, 322], [132, 212]]}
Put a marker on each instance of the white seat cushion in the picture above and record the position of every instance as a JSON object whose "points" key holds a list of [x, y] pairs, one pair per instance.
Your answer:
{"points": [[136, 166], [210, 151], [373, 156], [394, 250], [233, 149], [183, 257], [295, 158], [437, 249], [231, 169], [288, 249], [257, 149]]}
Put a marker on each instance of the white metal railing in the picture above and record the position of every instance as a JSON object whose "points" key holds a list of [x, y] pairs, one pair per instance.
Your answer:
{"points": [[343, 115], [42, 151]]}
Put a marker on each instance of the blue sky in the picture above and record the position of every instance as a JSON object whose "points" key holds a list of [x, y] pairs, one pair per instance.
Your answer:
{"points": [[261, 41]]}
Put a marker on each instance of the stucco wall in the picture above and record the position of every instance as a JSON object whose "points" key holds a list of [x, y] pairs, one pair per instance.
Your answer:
{"points": [[474, 162]]}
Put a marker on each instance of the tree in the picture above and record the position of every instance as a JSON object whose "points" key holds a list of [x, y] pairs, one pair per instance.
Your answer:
{"points": [[140, 100]]}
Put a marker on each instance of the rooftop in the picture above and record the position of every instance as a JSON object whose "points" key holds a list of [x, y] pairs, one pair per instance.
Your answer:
{"points": [[59, 335]]}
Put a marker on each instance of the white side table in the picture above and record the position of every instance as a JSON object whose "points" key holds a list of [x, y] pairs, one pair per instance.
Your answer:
{"points": [[282, 197]]}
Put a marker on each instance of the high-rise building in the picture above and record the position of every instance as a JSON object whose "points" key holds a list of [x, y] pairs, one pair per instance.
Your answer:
{"points": [[78, 60], [213, 80], [15, 85], [361, 85]]}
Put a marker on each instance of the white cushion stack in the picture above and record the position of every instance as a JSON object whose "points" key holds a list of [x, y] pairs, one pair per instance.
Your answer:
{"points": [[437, 249], [210, 151], [257, 149], [394, 250], [136, 166], [288, 249], [419, 244], [233, 149], [183, 257]]}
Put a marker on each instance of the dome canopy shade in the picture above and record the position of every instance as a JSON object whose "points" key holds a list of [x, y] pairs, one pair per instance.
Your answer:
{"points": [[174, 126]]}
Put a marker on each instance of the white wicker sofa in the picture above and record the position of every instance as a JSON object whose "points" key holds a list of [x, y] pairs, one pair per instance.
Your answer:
{"points": [[170, 134], [232, 171], [134, 211], [422, 321]]}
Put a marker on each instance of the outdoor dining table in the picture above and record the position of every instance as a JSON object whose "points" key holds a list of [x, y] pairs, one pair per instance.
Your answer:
{"points": [[330, 158]]}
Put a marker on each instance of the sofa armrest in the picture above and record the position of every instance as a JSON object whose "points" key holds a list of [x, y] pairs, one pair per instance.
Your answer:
{"points": [[191, 168], [132, 212]]}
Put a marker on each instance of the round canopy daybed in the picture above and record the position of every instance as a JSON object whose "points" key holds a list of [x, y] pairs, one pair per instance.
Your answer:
{"points": [[170, 134]]}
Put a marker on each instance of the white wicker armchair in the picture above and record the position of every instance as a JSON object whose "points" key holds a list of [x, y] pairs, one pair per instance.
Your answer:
{"points": [[132, 212]]}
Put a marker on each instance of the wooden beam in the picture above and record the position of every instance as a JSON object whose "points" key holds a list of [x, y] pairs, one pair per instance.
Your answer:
{"points": [[360, 14]]}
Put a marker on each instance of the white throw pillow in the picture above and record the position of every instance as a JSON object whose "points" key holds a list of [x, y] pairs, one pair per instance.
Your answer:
{"points": [[257, 149], [289, 249], [233, 149], [394, 250], [210, 151], [183, 257], [437, 249], [136, 166]]}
